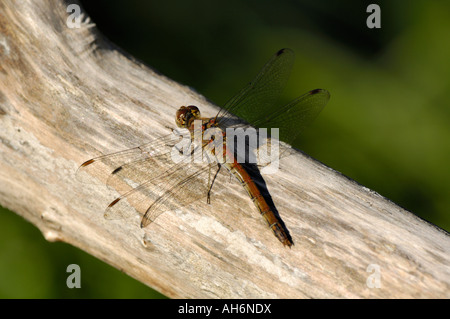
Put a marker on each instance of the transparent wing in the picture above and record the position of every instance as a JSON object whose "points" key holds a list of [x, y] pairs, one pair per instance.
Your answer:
{"points": [[296, 115], [256, 103], [290, 120], [137, 172], [175, 189], [133, 165], [180, 193], [256, 100]]}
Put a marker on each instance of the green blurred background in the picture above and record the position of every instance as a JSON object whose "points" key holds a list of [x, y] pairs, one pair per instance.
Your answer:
{"points": [[386, 125]]}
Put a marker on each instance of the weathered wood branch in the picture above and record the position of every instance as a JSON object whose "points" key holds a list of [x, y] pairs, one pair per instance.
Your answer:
{"points": [[67, 95]]}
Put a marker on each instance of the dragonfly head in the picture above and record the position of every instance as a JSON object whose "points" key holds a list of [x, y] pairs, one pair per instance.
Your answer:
{"points": [[186, 115]]}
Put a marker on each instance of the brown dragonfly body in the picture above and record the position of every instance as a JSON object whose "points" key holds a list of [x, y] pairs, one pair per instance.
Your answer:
{"points": [[185, 117], [151, 182]]}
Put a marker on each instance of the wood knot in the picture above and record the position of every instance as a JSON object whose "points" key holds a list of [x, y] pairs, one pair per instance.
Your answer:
{"points": [[52, 236]]}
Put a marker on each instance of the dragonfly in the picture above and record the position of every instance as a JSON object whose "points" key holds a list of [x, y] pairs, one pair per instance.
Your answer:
{"points": [[150, 182]]}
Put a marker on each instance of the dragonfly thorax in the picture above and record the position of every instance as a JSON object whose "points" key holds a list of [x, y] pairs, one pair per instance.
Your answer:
{"points": [[186, 115]]}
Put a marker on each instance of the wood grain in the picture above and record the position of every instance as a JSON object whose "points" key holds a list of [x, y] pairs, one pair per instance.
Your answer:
{"points": [[67, 95]]}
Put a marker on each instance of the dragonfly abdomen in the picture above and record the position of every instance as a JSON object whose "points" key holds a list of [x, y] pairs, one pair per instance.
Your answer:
{"points": [[258, 199]]}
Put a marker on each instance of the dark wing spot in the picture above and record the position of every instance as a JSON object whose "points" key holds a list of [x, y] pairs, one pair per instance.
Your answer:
{"points": [[281, 52], [114, 202], [117, 170], [87, 163]]}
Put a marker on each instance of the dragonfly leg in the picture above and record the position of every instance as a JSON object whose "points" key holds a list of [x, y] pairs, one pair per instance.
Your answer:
{"points": [[208, 198]]}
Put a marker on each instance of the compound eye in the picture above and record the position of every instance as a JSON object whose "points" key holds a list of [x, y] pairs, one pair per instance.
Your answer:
{"points": [[180, 117], [194, 111], [186, 114]]}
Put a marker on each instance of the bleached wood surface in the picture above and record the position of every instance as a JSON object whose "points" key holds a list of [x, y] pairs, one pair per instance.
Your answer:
{"points": [[66, 95]]}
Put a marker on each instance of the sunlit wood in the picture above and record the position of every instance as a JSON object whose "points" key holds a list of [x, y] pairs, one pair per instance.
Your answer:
{"points": [[67, 95]]}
